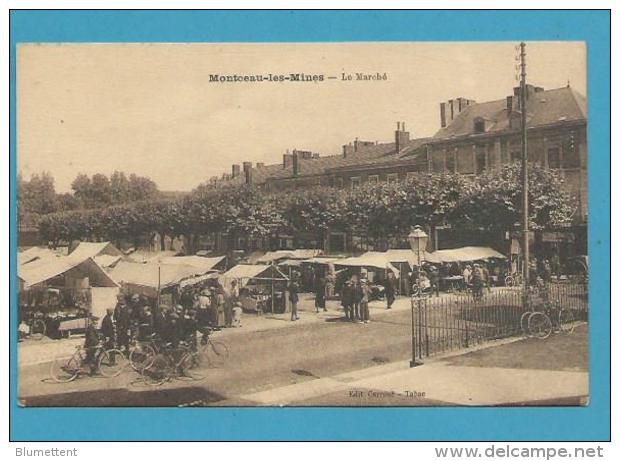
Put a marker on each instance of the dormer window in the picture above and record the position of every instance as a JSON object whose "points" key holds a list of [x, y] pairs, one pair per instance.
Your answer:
{"points": [[479, 125]]}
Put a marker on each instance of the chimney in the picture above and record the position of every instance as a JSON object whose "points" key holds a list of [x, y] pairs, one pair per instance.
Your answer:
{"points": [[247, 169], [401, 136], [347, 149], [236, 171], [287, 160], [442, 114], [259, 165], [295, 163]]}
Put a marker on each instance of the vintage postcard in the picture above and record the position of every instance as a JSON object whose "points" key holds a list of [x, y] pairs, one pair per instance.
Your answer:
{"points": [[318, 224]]}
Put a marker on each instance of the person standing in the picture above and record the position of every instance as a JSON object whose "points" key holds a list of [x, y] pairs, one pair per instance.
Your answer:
{"points": [[434, 278], [91, 340], [319, 299], [486, 277], [365, 295], [355, 298], [108, 329], [390, 289], [293, 296], [346, 297], [122, 317]]}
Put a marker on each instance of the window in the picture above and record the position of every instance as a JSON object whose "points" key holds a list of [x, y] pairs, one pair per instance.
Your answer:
{"points": [[481, 159], [339, 182], [515, 156], [437, 161], [465, 160], [450, 163], [356, 182], [392, 178], [570, 151], [373, 179], [479, 125], [553, 157]]}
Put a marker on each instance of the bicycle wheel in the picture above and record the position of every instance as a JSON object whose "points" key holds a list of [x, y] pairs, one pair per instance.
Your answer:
{"points": [[112, 363], [525, 317], [216, 352], [141, 356], [193, 366], [567, 321], [158, 372], [539, 325], [37, 330], [63, 370]]}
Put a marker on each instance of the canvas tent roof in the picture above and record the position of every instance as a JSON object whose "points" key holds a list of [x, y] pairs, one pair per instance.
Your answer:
{"points": [[462, 254], [288, 254], [373, 259], [254, 271], [149, 275], [35, 253], [198, 262], [44, 269], [106, 261], [91, 249]]}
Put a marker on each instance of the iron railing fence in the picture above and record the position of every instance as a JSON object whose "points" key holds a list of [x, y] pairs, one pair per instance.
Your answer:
{"points": [[460, 320]]}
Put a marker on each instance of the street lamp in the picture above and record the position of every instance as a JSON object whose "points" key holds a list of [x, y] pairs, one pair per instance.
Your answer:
{"points": [[417, 240]]}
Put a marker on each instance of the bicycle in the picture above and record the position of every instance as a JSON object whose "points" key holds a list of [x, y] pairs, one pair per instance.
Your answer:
{"points": [[109, 362], [551, 318], [513, 280], [215, 351], [173, 362]]}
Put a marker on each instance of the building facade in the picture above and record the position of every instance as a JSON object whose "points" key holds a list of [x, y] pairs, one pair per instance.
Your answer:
{"points": [[473, 138]]}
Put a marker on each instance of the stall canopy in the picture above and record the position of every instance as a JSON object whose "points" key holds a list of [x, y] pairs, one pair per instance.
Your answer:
{"points": [[42, 270], [243, 273], [463, 254], [153, 275], [372, 259], [107, 261], [200, 263], [34, 254], [271, 256], [92, 249]]}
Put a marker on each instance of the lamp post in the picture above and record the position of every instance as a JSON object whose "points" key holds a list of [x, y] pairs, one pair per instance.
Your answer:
{"points": [[417, 240]]}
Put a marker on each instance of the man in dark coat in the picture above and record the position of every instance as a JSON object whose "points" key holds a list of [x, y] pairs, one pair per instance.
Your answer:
{"points": [[109, 329], [319, 289], [122, 316], [91, 340], [390, 289], [346, 299]]}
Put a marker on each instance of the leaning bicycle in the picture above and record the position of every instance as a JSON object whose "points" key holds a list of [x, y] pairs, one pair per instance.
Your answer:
{"points": [[543, 316], [172, 362], [108, 362]]}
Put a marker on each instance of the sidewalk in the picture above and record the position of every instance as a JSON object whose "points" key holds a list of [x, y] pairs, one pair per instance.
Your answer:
{"points": [[505, 374]]}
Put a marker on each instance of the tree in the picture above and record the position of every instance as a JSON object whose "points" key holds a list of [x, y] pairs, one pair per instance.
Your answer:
{"points": [[494, 201]]}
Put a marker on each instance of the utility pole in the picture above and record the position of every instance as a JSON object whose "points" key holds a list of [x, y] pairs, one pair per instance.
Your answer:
{"points": [[524, 179]]}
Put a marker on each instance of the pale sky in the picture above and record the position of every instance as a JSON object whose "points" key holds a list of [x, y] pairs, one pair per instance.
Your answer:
{"points": [[150, 109]]}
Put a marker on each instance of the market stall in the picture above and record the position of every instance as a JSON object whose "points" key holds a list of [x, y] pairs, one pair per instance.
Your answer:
{"points": [[61, 290], [264, 283]]}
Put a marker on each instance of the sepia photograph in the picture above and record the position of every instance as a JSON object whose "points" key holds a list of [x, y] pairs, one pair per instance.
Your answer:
{"points": [[370, 224]]}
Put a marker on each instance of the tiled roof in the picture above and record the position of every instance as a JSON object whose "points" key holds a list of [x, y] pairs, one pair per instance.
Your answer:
{"points": [[377, 154], [543, 108]]}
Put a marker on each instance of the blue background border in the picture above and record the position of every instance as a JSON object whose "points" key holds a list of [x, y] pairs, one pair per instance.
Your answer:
{"points": [[589, 423]]}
